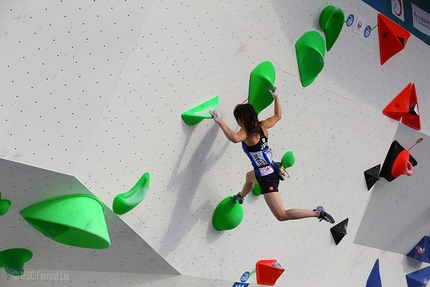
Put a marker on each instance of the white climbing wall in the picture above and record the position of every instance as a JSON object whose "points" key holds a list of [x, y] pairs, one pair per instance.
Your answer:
{"points": [[92, 94], [25, 185], [410, 207]]}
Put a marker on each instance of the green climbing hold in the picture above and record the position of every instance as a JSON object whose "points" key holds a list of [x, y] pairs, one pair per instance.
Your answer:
{"points": [[256, 190], [288, 159], [4, 205], [13, 260], [331, 22], [124, 202], [310, 52], [227, 215], [75, 219], [261, 80], [201, 112]]}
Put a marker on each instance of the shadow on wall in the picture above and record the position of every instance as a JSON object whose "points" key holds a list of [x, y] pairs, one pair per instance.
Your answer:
{"points": [[187, 183], [409, 264], [395, 217], [408, 231]]}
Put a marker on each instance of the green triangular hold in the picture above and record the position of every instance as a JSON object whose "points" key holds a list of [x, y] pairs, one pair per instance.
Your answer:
{"points": [[201, 112], [227, 215], [331, 22], [261, 80], [310, 52], [124, 202], [13, 260]]}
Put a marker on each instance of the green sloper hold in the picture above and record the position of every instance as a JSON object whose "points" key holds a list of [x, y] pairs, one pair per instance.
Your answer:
{"points": [[227, 215], [288, 159], [124, 202], [256, 190], [4, 205], [331, 22], [13, 260], [75, 219], [261, 80], [201, 112], [310, 52]]}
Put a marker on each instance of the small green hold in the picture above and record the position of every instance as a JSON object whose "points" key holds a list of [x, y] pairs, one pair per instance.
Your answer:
{"points": [[227, 215], [331, 22], [288, 159], [4, 205], [261, 80], [256, 190], [310, 53], [13, 260], [124, 202], [201, 112]]}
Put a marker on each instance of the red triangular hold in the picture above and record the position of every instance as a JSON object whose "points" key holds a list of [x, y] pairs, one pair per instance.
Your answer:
{"points": [[399, 106], [412, 118], [392, 38], [268, 271]]}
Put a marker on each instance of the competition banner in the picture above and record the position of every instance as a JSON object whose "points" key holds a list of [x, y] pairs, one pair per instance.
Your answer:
{"points": [[413, 15]]}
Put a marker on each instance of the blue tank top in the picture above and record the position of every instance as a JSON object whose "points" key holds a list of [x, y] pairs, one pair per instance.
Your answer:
{"points": [[260, 155]]}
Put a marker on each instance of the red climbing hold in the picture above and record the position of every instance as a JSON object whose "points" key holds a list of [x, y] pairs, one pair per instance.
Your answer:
{"points": [[392, 38], [402, 165]]}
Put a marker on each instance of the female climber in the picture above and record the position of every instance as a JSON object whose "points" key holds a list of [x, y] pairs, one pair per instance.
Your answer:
{"points": [[253, 135]]}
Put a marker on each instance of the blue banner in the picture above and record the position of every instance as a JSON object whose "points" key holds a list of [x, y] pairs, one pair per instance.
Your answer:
{"points": [[240, 284], [412, 15]]}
